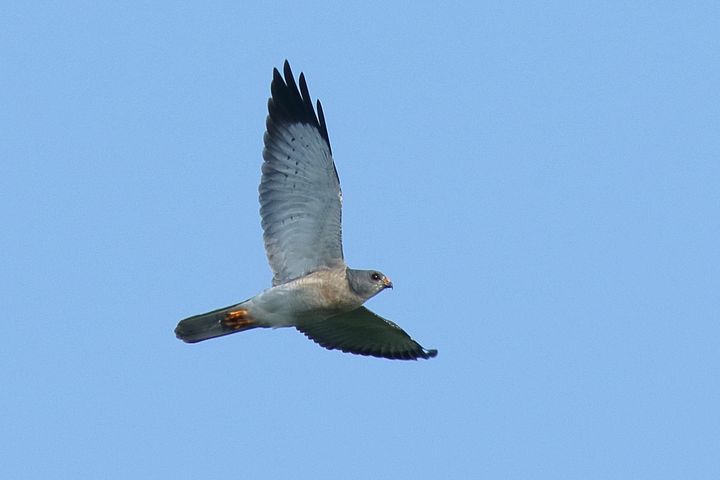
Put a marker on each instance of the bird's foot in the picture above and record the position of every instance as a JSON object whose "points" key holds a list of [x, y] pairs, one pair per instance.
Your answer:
{"points": [[238, 319]]}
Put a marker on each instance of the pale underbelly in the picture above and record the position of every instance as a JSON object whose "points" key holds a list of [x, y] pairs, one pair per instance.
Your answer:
{"points": [[285, 305]]}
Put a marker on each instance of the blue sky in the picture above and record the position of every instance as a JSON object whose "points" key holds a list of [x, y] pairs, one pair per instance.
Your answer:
{"points": [[540, 180]]}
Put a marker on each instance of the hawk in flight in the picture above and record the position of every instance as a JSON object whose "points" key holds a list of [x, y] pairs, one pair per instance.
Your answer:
{"points": [[300, 205]]}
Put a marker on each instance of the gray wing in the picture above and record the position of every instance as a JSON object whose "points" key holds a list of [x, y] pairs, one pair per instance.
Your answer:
{"points": [[300, 199], [364, 333]]}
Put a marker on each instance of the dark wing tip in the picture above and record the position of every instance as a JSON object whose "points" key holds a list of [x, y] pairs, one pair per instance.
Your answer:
{"points": [[287, 70], [292, 105], [416, 354]]}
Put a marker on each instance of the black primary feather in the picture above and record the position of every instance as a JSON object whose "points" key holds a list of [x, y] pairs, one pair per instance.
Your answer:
{"points": [[289, 104]]}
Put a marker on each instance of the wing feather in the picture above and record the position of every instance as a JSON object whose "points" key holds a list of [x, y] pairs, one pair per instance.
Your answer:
{"points": [[364, 333], [300, 199]]}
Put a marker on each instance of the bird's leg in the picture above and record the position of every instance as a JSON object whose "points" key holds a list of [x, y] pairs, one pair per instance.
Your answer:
{"points": [[238, 319]]}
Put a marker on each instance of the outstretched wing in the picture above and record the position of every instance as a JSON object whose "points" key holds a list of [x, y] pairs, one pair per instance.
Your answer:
{"points": [[300, 199], [364, 333]]}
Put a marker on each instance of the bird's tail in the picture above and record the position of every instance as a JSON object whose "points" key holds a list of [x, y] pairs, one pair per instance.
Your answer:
{"points": [[217, 323]]}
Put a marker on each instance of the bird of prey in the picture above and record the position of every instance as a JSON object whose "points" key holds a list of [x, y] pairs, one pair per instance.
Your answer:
{"points": [[300, 205]]}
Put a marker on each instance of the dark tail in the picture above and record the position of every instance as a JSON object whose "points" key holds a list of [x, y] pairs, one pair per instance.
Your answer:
{"points": [[207, 325]]}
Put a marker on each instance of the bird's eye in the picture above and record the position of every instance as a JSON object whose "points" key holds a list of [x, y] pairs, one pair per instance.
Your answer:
{"points": [[375, 276]]}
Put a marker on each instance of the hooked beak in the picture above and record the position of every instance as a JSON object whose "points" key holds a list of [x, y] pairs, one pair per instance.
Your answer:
{"points": [[387, 283]]}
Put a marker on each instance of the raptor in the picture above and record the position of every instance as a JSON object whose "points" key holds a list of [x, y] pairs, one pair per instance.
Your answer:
{"points": [[313, 290]]}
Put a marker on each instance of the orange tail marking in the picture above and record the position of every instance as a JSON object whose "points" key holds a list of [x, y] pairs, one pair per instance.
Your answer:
{"points": [[238, 319]]}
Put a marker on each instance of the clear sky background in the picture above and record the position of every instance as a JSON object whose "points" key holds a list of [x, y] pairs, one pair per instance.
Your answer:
{"points": [[541, 181]]}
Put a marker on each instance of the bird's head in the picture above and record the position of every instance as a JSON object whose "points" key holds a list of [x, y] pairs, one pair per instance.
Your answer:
{"points": [[367, 283]]}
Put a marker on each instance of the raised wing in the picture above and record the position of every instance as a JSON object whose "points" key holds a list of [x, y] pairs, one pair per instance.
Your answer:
{"points": [[364, 333], [300, 199]]}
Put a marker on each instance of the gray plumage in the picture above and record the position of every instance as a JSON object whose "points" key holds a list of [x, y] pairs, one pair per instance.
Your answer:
{"points": [[301, 207]]}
